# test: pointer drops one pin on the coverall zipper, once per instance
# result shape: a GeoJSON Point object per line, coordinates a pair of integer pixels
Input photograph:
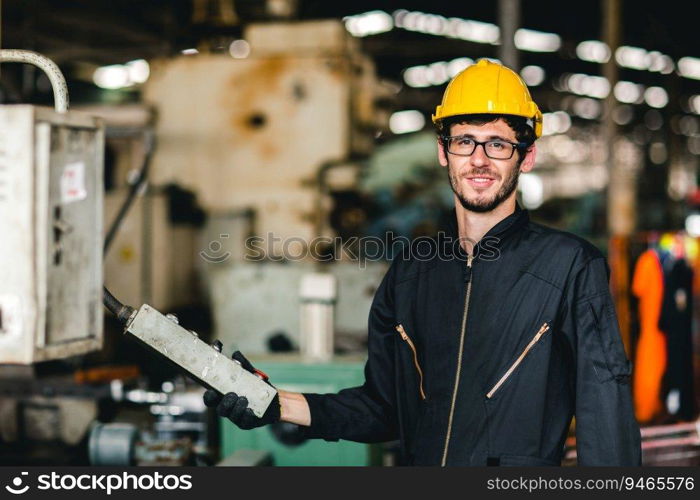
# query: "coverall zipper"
{"type": "Point", "coordinates": [459, 359]}
{"type": "Point", "coordinates": [408, 340]}
{"type": "Point", "coordinates": [543, 329]}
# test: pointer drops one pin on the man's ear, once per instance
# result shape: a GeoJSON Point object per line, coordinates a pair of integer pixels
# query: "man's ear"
{"type": "Point", "coordinates": [442, 158]}
{"type": "Point", "coordinates": [528, 162]}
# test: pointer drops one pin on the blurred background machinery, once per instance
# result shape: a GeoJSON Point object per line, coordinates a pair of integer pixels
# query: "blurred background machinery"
{"type": "Point", "coordinates": [251, 133]}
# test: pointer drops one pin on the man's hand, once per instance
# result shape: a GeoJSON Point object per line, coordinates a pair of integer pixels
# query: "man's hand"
{"type": "Point", "coordinates": [235, 407]}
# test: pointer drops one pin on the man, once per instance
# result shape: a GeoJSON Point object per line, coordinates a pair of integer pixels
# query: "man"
{"type": "Point", "coordinates": [481, 353]}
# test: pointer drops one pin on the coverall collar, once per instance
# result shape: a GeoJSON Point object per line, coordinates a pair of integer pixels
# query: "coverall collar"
{"type": "Point", "coordinates": [501, 230]}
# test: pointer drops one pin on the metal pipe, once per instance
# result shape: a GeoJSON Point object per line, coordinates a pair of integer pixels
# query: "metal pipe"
{"type": "Point", "coordinates": [58, 82]}
{"type": "Point", "coordinates": [509, 22]}
{"type": "Point", "coordinates": [621, 193]}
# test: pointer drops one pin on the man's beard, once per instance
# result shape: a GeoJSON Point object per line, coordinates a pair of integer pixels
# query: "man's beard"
{"type": "Point", "coordinates": [511, 182]}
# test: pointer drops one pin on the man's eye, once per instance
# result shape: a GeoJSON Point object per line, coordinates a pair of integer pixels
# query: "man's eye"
{"type": "Point", "coordinates": [465, 142]}
{"type": "Point", "coordinates": [497, 145]}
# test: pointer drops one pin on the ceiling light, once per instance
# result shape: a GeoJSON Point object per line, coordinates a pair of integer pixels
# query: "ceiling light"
{"type": "Point", "coordinates": [404, 122]}
{"type": "Point", "coordinates": [111, 77]}
{"type": "Point", "coordinates": [533, 75]}
{"type": "Point", "coordinates": [694, 103]}
{"type": "Point", "coordinates": [660, 63]}
{"type": "Point", "coordinates": [628, 92]}
{"type": "Point", "coordinates": [656, 97]}
{"type": "Point", "coordinates": [632, 57]}
{"type": "Point", "coordinates": [692, 225]}
{"type": "Point", "coordinates": [455, 66]}
{"type": "Point", "coordinates": [588, 85]}
{"type": "Point", "coordinates": [369, 23]}
{"type": "Point", "coordinates": [537, 41]}
{"type": "Point", "coordinates": [689, 67]}
{"type": "Point", "coordinates": [555, 123]}
{"type": "Point", "coordinates": [593, 51]}
{"type": "Point", "coordinates": [532, 189]}
{"type": "Point", "coordinates": [138, 70]}
{"type": "Point", "coordinates": [587, 108]}
{"type": "Point", "coordinates": [416, 76]}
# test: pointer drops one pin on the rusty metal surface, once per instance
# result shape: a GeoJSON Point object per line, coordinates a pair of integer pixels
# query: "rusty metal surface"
{"type": "Point", "coordinates": [252, 133]}
{"type": "Point", "coordinates": [199, 359]}
{"type": "Point", "coordinates": [234, 132]}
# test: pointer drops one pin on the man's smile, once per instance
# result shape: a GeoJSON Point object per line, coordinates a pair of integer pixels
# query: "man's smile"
{"type": "Point", "coordinates": [480, 181]}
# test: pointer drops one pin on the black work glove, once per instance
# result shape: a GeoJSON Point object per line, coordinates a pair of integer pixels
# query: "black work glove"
{"type": "Point", "coordinates": [235, 407]}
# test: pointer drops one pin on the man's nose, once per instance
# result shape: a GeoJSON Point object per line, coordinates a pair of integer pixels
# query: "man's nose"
{"type": "Point", "coordinates": [478, 157]}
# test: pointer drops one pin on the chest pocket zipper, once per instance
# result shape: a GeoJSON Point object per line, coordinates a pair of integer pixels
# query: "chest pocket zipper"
{"type": "Point", "coordinates": [543, 329]}
{"type": "Point", "coordinates": [407, 339]}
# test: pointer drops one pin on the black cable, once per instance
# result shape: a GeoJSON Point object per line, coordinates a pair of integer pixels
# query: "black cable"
{"type": "Point", "coordinates": [134, 190]}
{"type": "Point", "coordinates": [122, 311]}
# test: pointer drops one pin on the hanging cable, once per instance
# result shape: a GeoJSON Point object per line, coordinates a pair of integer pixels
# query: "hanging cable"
{"type": "Point", "coordinates": [136, 186]}
{"type": "Point", "coordinates": [122, 311]}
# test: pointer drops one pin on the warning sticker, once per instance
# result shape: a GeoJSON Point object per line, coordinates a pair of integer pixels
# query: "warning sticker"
{"type": "Point", "coordinates": [73, 183]}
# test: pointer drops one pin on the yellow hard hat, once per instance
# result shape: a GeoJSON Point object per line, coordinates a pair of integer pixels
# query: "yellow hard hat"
{"type": "Point", "coordinates": [488, 87]}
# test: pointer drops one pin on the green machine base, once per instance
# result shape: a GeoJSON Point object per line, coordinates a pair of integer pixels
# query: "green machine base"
{"type": "Point", "coordinates": [289, 373]}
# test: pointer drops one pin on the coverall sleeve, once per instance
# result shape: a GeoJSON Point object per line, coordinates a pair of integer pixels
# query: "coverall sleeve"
{"type": "Point", "coordinates": [366, 413]}
{"type": "Point", "coordinates": [607, 433]}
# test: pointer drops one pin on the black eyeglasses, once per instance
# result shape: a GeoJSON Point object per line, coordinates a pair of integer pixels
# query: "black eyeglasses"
{"type": "Point", "coordinates": [496, 149]}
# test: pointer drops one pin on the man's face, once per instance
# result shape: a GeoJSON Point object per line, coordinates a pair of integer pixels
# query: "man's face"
{"type": "Point", "coordinates": [481, 183]}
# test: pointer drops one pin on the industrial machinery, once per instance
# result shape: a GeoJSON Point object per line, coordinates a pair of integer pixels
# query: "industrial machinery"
{"type": "Point", "coordinates": [253, 133]}
{"type": "Point", "coordinates": [51, 207]}
{"type": "Point", "coordinates": [53, 164]}
{"type": "Point", "coordinates": [179, 435]}
{"type": "Point", "coordinates": [150, 246]}
{"type": "Point", "coordinates": [151, 252]}
{"type": "Point", "coordinates": [102, 416]}
{"type": "Point", "coordinates": [243, 320]}
{"type": "Point", "coordinates": [264, 141]}
{"type": "Point", "coordinates": [52, 174]}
